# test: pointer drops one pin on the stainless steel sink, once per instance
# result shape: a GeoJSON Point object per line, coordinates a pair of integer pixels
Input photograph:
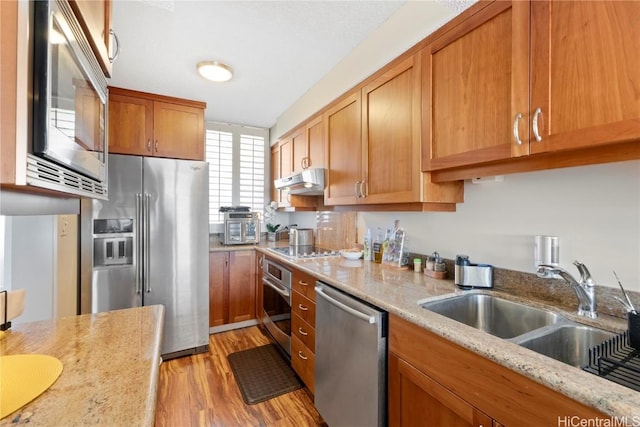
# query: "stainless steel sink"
{"type": "Point", "coordinates": [496, 316]}
{"type": "Point", "coordinates": [542, 331]}
{"type": "Point", "coordinates": [568, 343]}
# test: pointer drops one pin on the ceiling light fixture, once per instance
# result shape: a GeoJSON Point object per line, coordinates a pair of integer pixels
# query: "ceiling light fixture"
{"type": "Point", "coordinates": [215, 71]}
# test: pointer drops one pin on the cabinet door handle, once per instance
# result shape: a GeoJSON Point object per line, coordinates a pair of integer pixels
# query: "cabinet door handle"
{"type": "Point", "coordinates": [302, 307]}
{"type": "Point", "coordinates": [302, 332]}
{"type": "Point", "coordinates": [516, 132]}
{"type": "Point", "coordinates": [536, 115]}
{"type": "Point", "coordinates": [303, 283]}
{"type": "Point", "coordinates": [115, 38]}
{"type": "Point", "coordinates": [363, 189]}
{"type": "Point", "coordinates": [156, 146]}
{"type": "Point", "coordinates": [302, 356]}
{"type": "Point", "coordinates": [355, 190]}
{"type": "Point", "coordinates": [148, 145]}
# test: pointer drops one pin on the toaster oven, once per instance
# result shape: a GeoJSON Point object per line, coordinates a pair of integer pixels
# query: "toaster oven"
{"type": "Point", "coordinates": [241, 228]}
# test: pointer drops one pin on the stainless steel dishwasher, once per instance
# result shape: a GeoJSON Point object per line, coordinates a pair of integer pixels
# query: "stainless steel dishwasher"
{"type": "Point", "coordinates": [351, 360]}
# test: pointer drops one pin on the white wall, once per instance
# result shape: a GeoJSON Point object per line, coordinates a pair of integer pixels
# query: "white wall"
{"type": "Point", "coordinates": [595, 210]}
{"type": "Point", "coordinates": [410, 24]}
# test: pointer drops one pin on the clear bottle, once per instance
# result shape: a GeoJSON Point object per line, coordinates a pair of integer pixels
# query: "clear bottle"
{"type": "Point", "coordinates": [377, 247]}
{"type": "Point", "coordinates": [367, 245]}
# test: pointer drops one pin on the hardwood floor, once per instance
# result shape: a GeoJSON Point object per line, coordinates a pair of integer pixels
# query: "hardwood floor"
{"type": "Point", "coordinates": [201, 390]}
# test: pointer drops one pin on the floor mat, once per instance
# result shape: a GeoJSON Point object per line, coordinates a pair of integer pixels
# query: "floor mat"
{"type": "Point", "coordinates": [262, 373]}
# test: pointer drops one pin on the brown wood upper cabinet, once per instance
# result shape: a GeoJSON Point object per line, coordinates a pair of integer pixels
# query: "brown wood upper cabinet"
{"type": "Point", "coordinates": [299, 150]}
{"type": "Point", "coordinates": [155, 125]}
{"type": "Point", "coordinates": [307, 146]}
{"type": "Point", "coordinates": [373, 143]}
{"type": "Point", "coordinates": [95, 19]}
{"type": "Point", "coordinates": [482, 104]}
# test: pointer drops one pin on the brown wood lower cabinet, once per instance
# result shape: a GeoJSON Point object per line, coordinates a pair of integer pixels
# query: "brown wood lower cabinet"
{"type": "Point", "coordinates": [232, 287]}
{"type": "Point", "coordinates": [433, 381]}
{"type": "Point", "coordinates": [419, 400]}
{"type": "Point", "coordinates": [303, 322]}
{"type": "Point", "coordinates": [259, 293]}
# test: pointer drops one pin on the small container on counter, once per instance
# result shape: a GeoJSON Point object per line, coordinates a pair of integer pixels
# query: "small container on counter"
{"type": "Point", "coordinates": [417, 265]}
{"type": "Point", "coordinates": [435, 266]}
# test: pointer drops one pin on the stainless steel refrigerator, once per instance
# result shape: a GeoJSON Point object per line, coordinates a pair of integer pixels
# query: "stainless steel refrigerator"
{"type": "Point", "coordinates": [149, 244]}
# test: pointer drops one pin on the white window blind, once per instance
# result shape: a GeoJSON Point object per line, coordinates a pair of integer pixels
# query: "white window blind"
{"type": "Point", "coordinates": [237, 172]}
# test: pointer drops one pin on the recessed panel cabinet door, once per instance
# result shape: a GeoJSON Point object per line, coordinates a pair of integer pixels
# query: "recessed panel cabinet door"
{"type": "Point", "coordinates": [585, 60]}
{"type": "Point", "coordinates": [344, 154]}
{"type": "Point", "coordinates": [391, 134]}
{"type": "Point", "coordinates": [299, 150]}
{"type": "Point", "coordinates": [415, 399]}
{"type": "Point", "coordinates": [130, 125]}
{"type": "Point", "coordinates": [475, 82]}
{"type": "Point", "coordinates": [315, 142]}
{"type": "Point", "coordinates": [95, 19]}
{"type": "Point", "coordinates": [218, 295]}
{"type": "Point", "coordinates": [178, 131]}
{"type": "Point", "coordinates": [242, 286]}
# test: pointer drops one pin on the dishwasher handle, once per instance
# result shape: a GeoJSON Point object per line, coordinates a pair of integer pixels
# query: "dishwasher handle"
{"type": "Point", "coordinates": [360, 315]}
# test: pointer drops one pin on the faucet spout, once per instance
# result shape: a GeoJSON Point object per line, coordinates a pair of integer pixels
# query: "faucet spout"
{"type": "Point", "coordinates": [584, 289]}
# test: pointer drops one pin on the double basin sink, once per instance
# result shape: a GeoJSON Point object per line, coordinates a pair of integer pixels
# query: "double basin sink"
{"type": "Point", "coordinates": [540, 330]}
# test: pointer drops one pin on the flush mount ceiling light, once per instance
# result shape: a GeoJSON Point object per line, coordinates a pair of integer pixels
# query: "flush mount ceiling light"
{"type": "Point", "coordinates": [215, 71]}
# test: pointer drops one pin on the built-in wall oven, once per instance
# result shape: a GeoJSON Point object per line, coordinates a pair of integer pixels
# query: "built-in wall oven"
{"type": "Point", "coordinates": [276, 305]}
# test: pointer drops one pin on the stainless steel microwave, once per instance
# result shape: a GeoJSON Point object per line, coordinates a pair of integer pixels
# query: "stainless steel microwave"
{"type": "Point", "coordinates": [70, 105]}
{"type": "Point", "coordinates": [241, 228]}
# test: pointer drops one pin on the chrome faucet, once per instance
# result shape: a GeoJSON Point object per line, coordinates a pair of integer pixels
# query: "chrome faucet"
{"type": "Point", "coordinates": [585, 289]}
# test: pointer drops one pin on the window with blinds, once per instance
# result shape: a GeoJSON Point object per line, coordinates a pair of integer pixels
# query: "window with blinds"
{"type": "Point", "coordinates": [237, 172]}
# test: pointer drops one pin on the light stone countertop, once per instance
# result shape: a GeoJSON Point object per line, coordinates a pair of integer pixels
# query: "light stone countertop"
{"type": "Point", "coordinates": [398, 291]}
{"type": "Point", "coordinates": [110, 370]}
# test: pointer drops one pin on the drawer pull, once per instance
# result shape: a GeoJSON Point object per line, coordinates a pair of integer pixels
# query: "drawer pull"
{"type": "Point", "coordinates": [303, 283]}
{"type": "Point", "coordinates": [302, 356]}
{"type": "Point", "coordinates": [302, 332]}
{"type": "Point", "coordinates": [302, 307]}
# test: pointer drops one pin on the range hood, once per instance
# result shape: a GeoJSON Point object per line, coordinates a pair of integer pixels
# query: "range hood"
{"type": "Point", "coordinates": [309, 182]}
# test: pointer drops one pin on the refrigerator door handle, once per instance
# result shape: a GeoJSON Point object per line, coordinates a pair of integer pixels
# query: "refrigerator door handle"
{"type": "Point", "coordinates": [147, 241]}
{"type": "Point", "coordinates": [138, 243]}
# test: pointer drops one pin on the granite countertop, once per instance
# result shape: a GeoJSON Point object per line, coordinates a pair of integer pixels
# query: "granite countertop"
{"type": "Point", "coordinates": [398, 291]}
{"type": "Point", "coordinates": [110, 370]}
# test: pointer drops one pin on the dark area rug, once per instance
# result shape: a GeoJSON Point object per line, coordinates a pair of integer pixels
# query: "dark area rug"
{"type": "Point", "coordinates": [262, 373]}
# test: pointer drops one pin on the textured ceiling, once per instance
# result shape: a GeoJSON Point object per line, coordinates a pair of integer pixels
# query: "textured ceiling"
{"type": "Point", "coordinates": [278, 49]}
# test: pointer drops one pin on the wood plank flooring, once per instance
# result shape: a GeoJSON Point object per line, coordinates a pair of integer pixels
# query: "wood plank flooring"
{"type": "Point", "coordinates": [200, 390]}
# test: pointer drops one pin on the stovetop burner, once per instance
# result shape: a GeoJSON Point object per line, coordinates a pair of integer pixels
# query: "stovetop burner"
{"type": "Point", "coordinates": [305, 252]}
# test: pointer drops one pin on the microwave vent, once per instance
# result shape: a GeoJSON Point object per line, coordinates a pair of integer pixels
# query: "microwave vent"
{"type": "Point", "coordinates": [46, 174]}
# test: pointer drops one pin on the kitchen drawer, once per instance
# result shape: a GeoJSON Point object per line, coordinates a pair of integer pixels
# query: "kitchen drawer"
{"type": "Point", "coordinates": [304, 363]}
{"type": "Point", "coordinates": [303, 307]}
{"type": "Point", "coordinates": [305, 332]}
{"type": "Point", "coordinates": [304, 284]}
